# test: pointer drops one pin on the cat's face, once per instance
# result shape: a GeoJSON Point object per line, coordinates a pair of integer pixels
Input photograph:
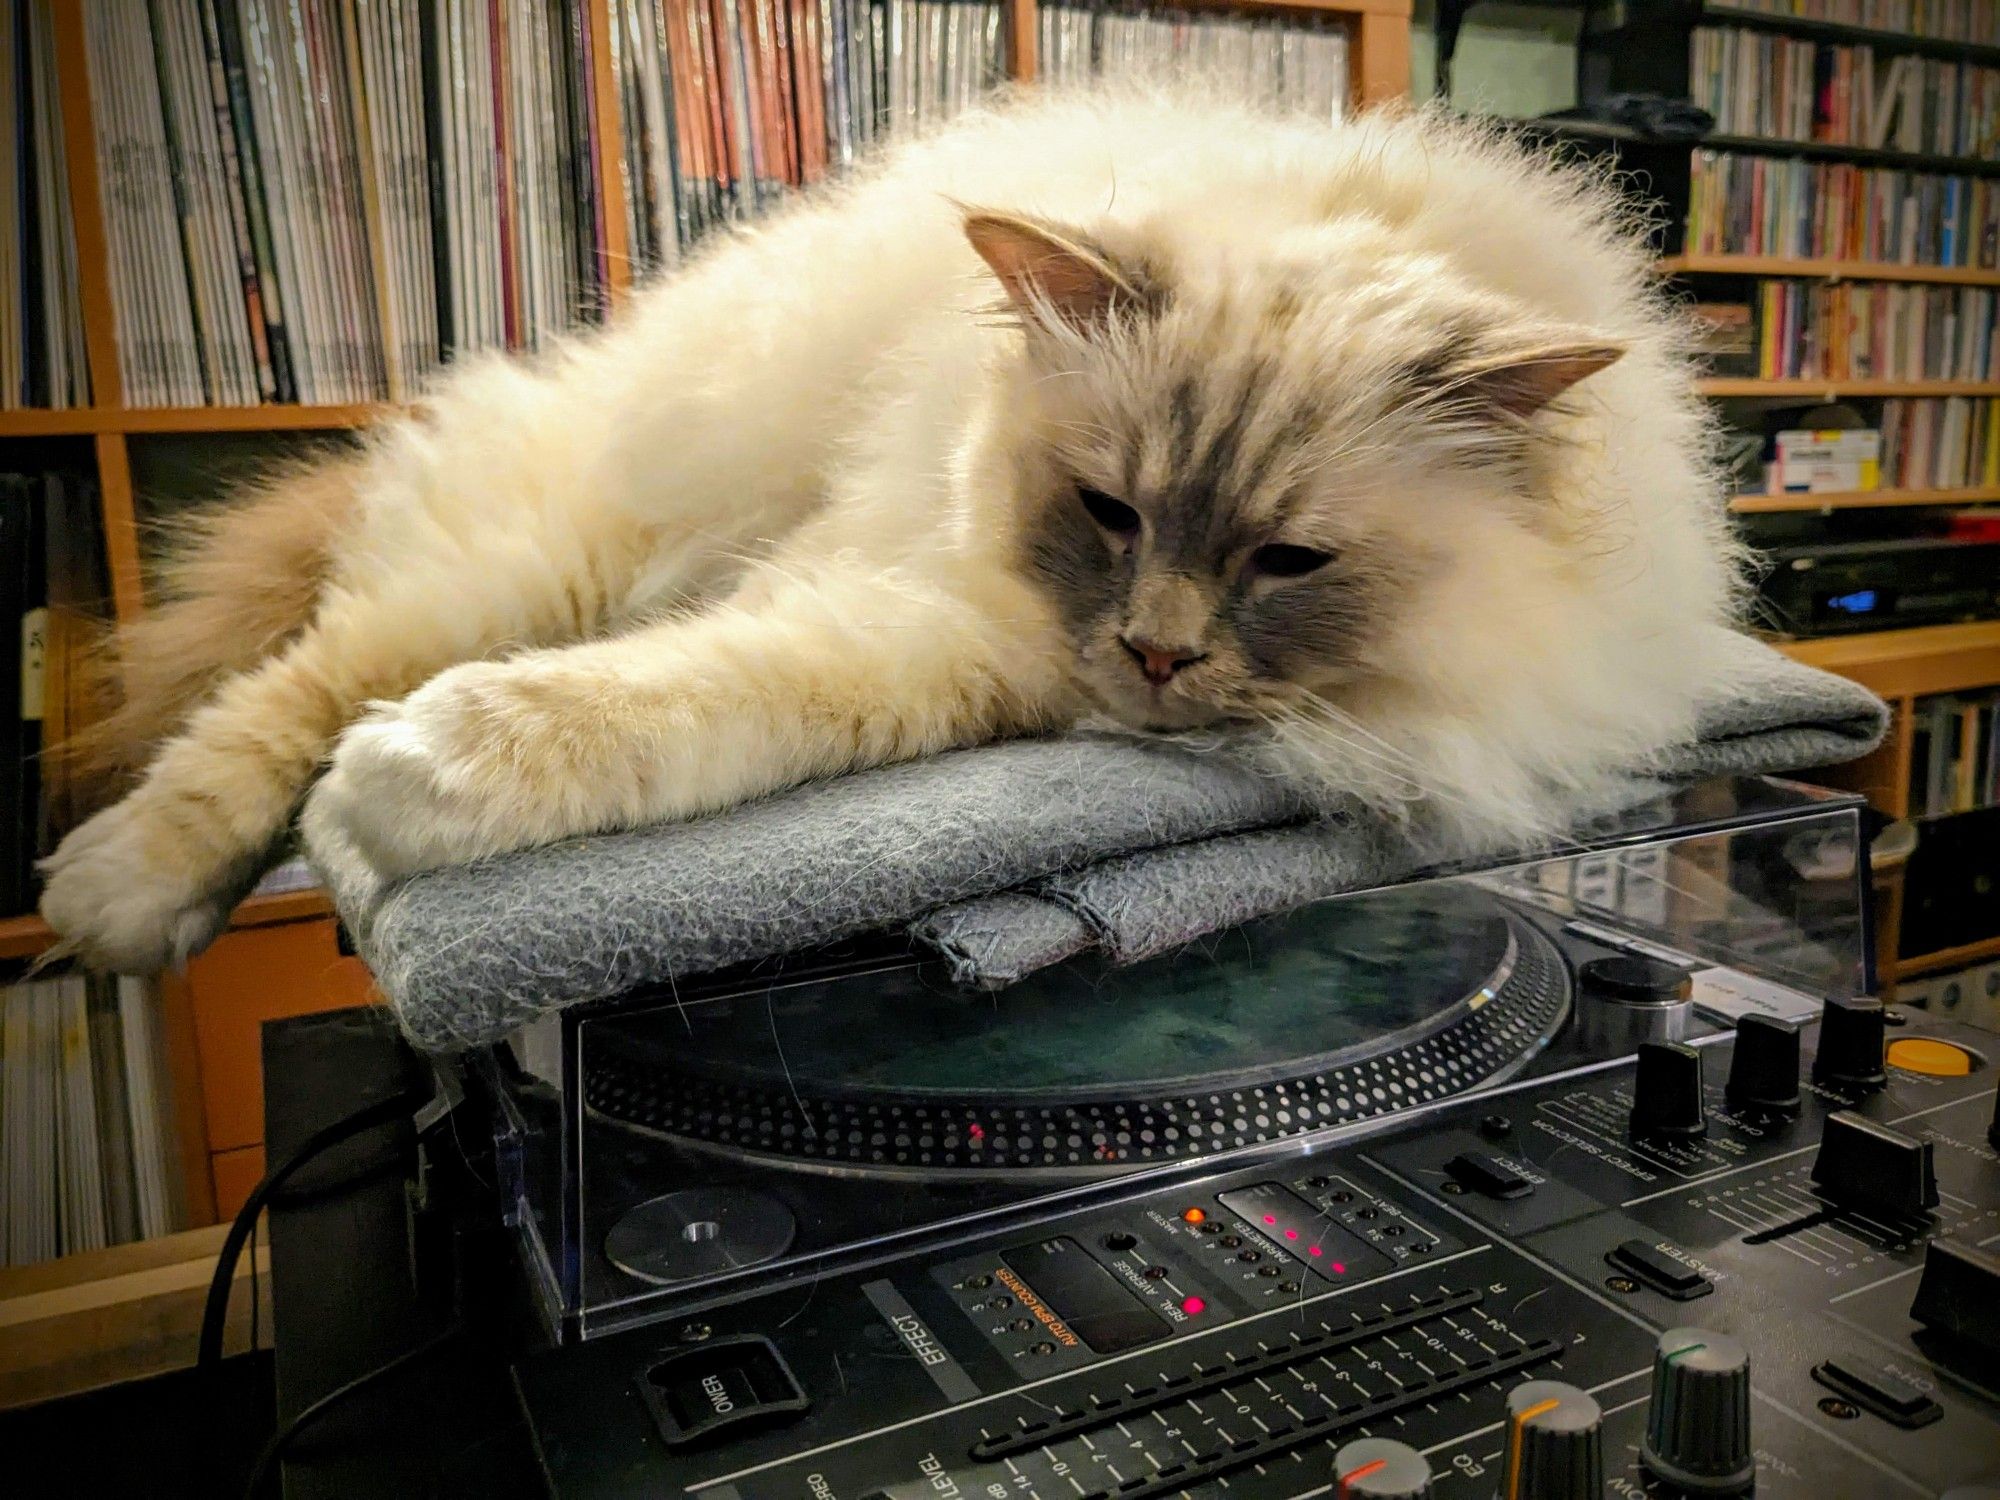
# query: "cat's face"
{"type": "Point", "coordinates": [1227, 484]}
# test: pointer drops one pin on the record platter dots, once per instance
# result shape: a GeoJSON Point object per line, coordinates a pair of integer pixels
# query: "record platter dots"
{"type": "Point", "coordinates": [1340, 1011]}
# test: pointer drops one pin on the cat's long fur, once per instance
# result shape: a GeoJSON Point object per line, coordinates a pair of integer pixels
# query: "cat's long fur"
{"type": "Point", "coordinates": [812, 505]}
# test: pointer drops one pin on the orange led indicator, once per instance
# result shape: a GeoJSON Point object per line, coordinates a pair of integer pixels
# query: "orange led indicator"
{"type": "Point", "coordinates": [1347, 1480]}
{"type": "Point", "coordinates": [1193, 1215]}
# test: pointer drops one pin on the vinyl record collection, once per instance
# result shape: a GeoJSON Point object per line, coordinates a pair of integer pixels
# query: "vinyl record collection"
{"type": "Point", "coordinates": [52, 584]}
{"type": "Point", "coordinates": [1954, 754]}
{"type": "Point", "coordinates": [1296, 62]}
{"type": "Point", "coordinates": [1875, 331]}
{"type": "Point", "coordinates": [1756, 205]}
{"type": "Point", "coordinates": [1951, 20]}
{"type": "Point", "coordinates": [322, 202]}
{"type": "Point", "coordinates": [728, 104]}
{"type": "Point", "coordinates": [41, 312]}
{"type": "Point", "coordinates": [1785, 88]}
{"type": "Point", "coordinates": [1944, 445]}
{"type": "Point", "coordinates": [86, 1149]}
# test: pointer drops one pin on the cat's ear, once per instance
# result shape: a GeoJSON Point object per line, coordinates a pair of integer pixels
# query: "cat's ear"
{"type": "Point", "coordinates": [1049, 272]}
{"type": "Point", "coordinates": [1517, 381]}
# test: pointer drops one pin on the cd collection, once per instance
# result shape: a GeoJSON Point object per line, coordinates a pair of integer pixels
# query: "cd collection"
{"type": "Point", "coordinates": [1941, 445]}
{"type": "Point", "coordinates": [1954, 754]}
{"type": "Point", "coordinates": [728, 104]}
{"type": "Point", "coordinates": [88, 1149]}
{"type": "Point", "coordinates": [1297, 62]}
{"type": "Point", "coordinates": [41, 312]}
{"type": "Point", "coordinates": [1874, 331]}
{"type": "Point", "coordinates": [53, 583]}
{"type": "Point", "coordinates": [315, 202]}
{"type": "Point", "coordinates": [1754, 205]}
{"type": "Point", "coordinates": [1784, 88]}
{"type": "Point", "coordinates": [1948, 20]}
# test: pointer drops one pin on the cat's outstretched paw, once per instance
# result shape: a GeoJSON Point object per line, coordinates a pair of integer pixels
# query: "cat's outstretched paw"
{"type": "Point", "coordinates": [440, 778]}
{"type": "Point", "coordinates": [123, 894]}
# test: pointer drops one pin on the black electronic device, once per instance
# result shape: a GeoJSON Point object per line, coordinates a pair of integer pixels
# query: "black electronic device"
{"type": "Point", "coordinates": [1837, 587]}
{"type": "Point", "coordinates": [1420, 1195]}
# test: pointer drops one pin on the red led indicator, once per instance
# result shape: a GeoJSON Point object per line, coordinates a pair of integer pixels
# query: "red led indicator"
{"type": "Point", "coordinates": [1291, 1234]}
{"type": "Point", "coordinates": [1270, 1218]}
{"type": "Point", "coordinates": [977, 1132]}
{"type": "Point", "coordinates": [1314, 1250]}
{"type": "Point", "coordinates": [1340, 1268]}
{"type": "Point", "coordinates": [1193, 1306]}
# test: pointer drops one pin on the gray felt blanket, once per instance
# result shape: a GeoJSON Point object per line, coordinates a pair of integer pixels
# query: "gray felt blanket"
{"type": "Point", "coordinates": [1002, 859]}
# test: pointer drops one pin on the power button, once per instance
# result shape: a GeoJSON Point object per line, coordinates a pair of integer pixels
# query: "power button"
{"type": "Point", "coordinates": [723, 1386]}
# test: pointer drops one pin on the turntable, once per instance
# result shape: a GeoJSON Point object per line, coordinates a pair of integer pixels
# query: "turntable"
{"type": "Point", "coordinates": [1580, 1176]}
{"type": "Point", "coordinates": [794, 1113]}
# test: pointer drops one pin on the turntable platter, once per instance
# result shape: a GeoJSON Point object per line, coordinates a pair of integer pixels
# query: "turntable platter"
{"type": "Point", "coordinates": [1333, 1012]}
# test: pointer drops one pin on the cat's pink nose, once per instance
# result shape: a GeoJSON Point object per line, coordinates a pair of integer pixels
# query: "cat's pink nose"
{"type": "Point", "coordinates": [1159, 663]}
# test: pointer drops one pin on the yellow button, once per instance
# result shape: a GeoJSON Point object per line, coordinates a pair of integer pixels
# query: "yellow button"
{"type": "Point", "coordinates": [1919, 1054]}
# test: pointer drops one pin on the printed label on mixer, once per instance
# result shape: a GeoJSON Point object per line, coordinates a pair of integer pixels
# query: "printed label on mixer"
{"type": "Point", "coordinates": [944, 1371]}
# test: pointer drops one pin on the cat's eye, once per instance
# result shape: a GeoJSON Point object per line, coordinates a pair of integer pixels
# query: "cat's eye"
{"type": "Point", "coordinates": [1115, 516]}
{"type": "Point", "coordinates": [1283, 560]}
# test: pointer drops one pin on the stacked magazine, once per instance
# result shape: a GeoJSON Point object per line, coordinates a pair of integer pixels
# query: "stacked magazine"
{"type": "Point", "coordinates": [41, 313]}
{"type": "Point", "coordinates": [729, 104]}
{"type": "Point", "coordinates": [88, 1146]}
{"type": "Point", "coordinates": [1293, 61]}
{"type": "Point", "coordinates": [325, 200]}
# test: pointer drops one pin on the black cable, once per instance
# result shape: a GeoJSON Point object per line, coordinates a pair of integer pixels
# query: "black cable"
{"type": "Point", "coordinates": [215, 1312]}
{"type": "Point", "coordinates": [286, 1435]}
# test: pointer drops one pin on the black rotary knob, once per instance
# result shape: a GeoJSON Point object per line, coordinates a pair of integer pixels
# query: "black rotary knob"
{"type": "Point", "coordinates": [1636, 979]}
{"type": "Point", "coordinates": [1666, 1091]}
{"type": "Point", "coordinates": [1380, 1469]}
{"type": "Point", "coordinates": [1555, 1444]}
{"type": "Point", "coordinates": [1850, 1044]}
{"type": "Point", "coordinates": [1993, 1130]}
{"type": "Point", "coordinates": [1869, 1166]}
{"type": "Point", "coordinates": [1764, 1068]}
{"type": "Point", "coordinates": [1698, 1423]}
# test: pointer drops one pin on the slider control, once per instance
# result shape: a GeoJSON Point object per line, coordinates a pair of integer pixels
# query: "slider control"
{"type": "Point", "coordinates": [1865, 1165]}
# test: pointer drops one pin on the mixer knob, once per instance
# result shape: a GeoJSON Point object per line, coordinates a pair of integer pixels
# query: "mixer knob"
{"type": "Point", "coordinates": [1850, 1044]}
{"type": "Point", "coordinates": [1864, 1165]}
{"type": "Point", "coordinates": [1555, 1444]}
{"type": "Point", "coordinates": [1993, 1130]}
{"type": "Point", "coordinates": [1380, 1469]}
{"type": "Point", "coordinates": [1764, 1070]}
{"type": "Point", "coordinates": [1698, 1423]}
{"type": "Point", "coordinates": [1666, 1091]}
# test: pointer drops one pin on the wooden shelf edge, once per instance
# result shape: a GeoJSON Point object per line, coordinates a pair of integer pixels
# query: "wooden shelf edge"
{"type": "Point", "coordinates": [1947, 958]}
{"type": "Point", "coordinates": [87, 421]}
{"type": "Point", "coordinates": [1826, 270]}
{"type": "Point", "coordinates": [1864, 499]}
{"type": "Point", "coordinates": [27, 936]}
{"type": "Point", "coordinates": [1909, 663]}
{"type": "Point", "coordinates": [1729, 385]}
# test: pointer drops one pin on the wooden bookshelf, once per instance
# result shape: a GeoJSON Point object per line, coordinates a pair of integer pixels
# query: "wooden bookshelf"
{"type": "Point", "coordinates": [280, 956]}
{"type": "Point", "coordinates": [1827, 270]}
{"type": "Point", "coordinates": [1834, 390]}
{"type": "Point", "coordinates": [1909, 663]}
{"type": "Point", "coordinates": [29, 936]}
{"type": "Point", "coordinates": [1862, 500]}
{"type": "Point", "coordinates": [89, 421]}
{"type": "Point", "coordinates": [1836, 33]}
{"type": "Point", "coordinates": [1945, 959]}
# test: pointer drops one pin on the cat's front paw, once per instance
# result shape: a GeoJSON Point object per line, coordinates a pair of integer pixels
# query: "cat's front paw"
{"type": "Point", "coordinates": [125, 894]}
{"type": "Point", "coordinates": [441, 778]}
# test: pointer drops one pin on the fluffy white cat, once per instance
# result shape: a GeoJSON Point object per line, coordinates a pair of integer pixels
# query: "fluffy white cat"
{"type": "Point", "coordinates": [1372, 442]}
